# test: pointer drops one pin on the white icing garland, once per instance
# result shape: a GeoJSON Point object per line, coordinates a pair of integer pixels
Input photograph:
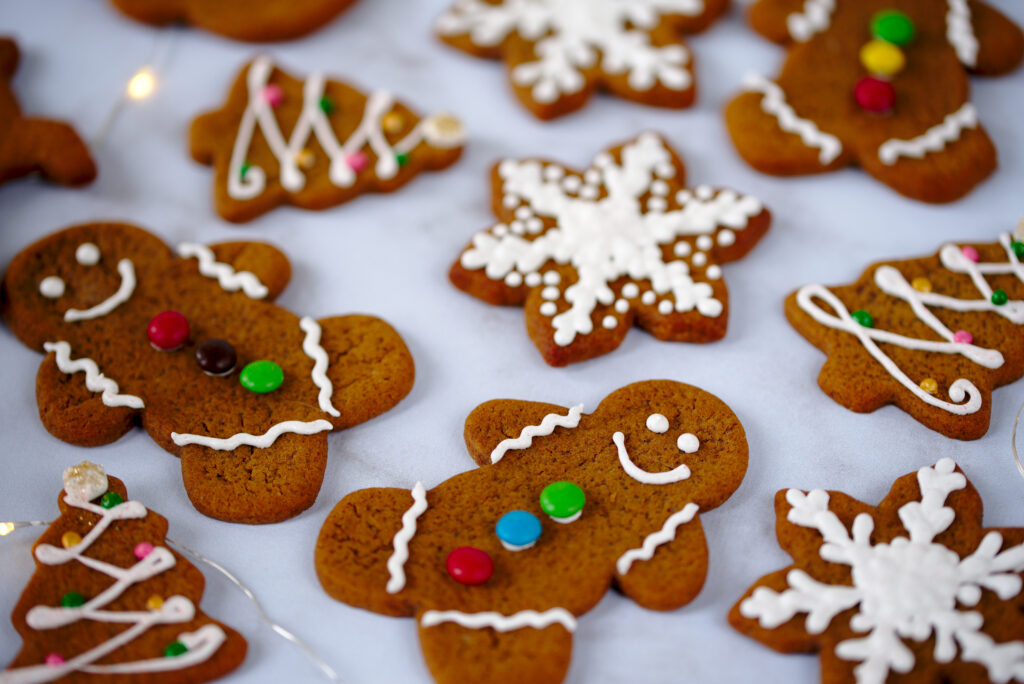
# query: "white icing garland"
{"type": "Point", "coordinates": [229, 279]}
{"type": "Point", "coordinates": [960, 32]}
{"type": "Point", "coordinates": [95, 381]}
{"type": "Point", "coordinates": [502, 623]}
{"type": "Point", "coordinates": [774, 103]}
{"type": "Point", "coordinates": [677, 474]}
{"type": "Point", "coordinates": [814, 18]}
{"type": "Point", "coordinates": [311, 347]}
{"type": "Point", "coordinates": [965, 396]}
{"type": "Point", "coordinates": [652, 541]}
{"type": "Point", "coordinates": [396, 563]}
{"type": "Point", "coordinates": [124, 291]}
{"type": "Point", "coordinates": [313, 121]}
{"type": "Point", "coordinates": [935, 139]}
{"type": "Point", "coordinates": [907, 588]}
{"type": "Point", "coordinates": [259, 441]}
{"type": "Point", "coordinates": [546, 427]}
{"type": "Point", "coordinates": [619, 235]}
{"type": "Point", "coordinates": [573, 36]}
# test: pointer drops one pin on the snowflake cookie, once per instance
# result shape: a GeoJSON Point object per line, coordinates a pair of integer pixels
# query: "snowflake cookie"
{"type": "Point", "coordinates": [911, 590]}
{"type": "Point", "coordinates": [189, 344]}
{"type": "Point", "coordinates": [559, 51]}
{"type": "Point", "coordinates": [933, 335]}
{"type": "Point", "coordinates": [314, 143]}
{"type": "Point", "coordinates": [623, 243]}
{"type": "Point", "coordinates": [109, 602]}
{"type": "Point", "coordinates": [497, 564]}
{"type": "Point", "coordinates": [878, 83]}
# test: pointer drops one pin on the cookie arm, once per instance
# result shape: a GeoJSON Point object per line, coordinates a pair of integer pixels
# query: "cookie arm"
{"type": "Point", "coordinates": [50, 147]}
{"type": "Point", "coordinates": [1000, 41]}
{"type": "Point", "coordinates": [673, 575]}
{"type": "Point", "coordinates": [770, 18]}
{"type": "Point", "coordinates": [270, 266]}
{"type": "Point", "coordinates": [493, 422]}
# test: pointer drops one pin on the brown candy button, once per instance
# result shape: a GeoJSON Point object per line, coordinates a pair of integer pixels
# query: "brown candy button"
{"type": "Point", "coordinates": [216, 357]}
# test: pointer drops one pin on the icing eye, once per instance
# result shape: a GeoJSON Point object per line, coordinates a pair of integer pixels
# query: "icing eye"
{"type": "Point", "coordinates": [688, 443]}
{"type": "Point", "coordinates": [87, 254]}
{"type": "Point", "coordinates": [657, 423]}
{"type": "Point", "coordinates": [51, 287]}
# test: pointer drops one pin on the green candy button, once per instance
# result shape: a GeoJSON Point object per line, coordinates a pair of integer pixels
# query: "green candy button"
{"type": "Point", "coordinates": [261, 377]}
{"type": "Point", "coordinates": [892, 26]}
{"type": "Point", "coordinates": [1018, 248]}
{"type": "Point", "coordinates": [72, 599]}
{"type": "Point", "coordinates": [999, 297]}
{"type": "Point", "coordinates": [563, 501]}
{"type": "Point", "coordinates": [175, 649]}
{"type": "Point", "coordinates": [111, 499]}
{"type": "Point", "coordinates": [864, 318]}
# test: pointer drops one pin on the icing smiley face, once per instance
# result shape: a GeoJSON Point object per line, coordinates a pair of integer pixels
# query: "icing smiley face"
{"type": "Point", "coordinates": [88, 254]}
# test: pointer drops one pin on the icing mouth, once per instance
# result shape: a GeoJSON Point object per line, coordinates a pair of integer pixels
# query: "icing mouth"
{"type": "Point", "coordinates": [677, 474]}
{"type": "Point", "coordinates": [124, 292]}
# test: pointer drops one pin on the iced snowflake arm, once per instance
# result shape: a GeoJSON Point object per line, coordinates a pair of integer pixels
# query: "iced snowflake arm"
{"type": "Point", "coordinates": [929, 517]}
{"type": "Point", "coordinates": [486, 25]}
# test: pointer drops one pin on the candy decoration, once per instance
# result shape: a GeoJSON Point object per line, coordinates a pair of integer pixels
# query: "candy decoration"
{"type": "Point", "coordinates": [216, 357]}
{"type": "Point", "coordinates": [72, 599]}
{"type": "Point", "coordinates": [142, 549]}
{"type": "Point", "coordinates": [175, 649]}
{"type": "Point", "coordinates": [518, 530]}
{"type": "Point", "coordinates": [326, 104]}
{"type": "Point", "coordinates": [882, 58]}
{"type": "Point", "coordinates": [562, 501]}
{"type": "Point", "coordinates": [469, 565]}
{"type": "Point", "coordinates": [261, 377]}
{"type": "Point", "coordinates": [874, 95]}
{"type": "Point", "coordinates": [244, 169]}
{"type": "Point", "coordinates": [111, 499]}
{"type": "Point", "coordinates": [970, 252]}
{"type": "Point", "coordinates": [864, 318]}
{"type": "Point", "coordinates": [999, 297]}
{"type": "Point", "coordinates": [921, 284]}
{"type": "Point", "coordinates": [154, 602]}
{"type": "Point", "coordinates": [357, 161]}
{"type": "Point", "coordinates": [272, 94]}
{"type": "Point", "coordinates": [69, 539]}
{"type": "Point", "coordinates": [305, 159]}
{"type": "Point", "coordinates": [930, 385]}
{"type": "Point", "coordinates": [1018, 248]}
{"type": "Point", "coordinates": [963, 337]}
{"type": "Point", "coordinates": [54, 660]}
{"type": "Point", "coordinates": [167, 331]}
{"type": "Point", "coordinates": [402, 158]}
{"type": "Point", "coordinates": [392, 122]}
{"type": "Point", "coordinates": [893, 27]}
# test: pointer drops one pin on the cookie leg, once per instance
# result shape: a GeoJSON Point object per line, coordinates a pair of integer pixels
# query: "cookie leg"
{"type": "Point", "coordinates": [49, 147]}
{"type": "Point", "coordinates": [73, 413]}
{"type": "Point", "coordinates": [673, 576]}
{"type": "Point", "coordinates": [369, 367]}
{"type": "Point", "coordinates": [457, 654]}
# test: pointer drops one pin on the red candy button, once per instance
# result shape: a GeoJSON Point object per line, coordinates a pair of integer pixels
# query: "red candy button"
{"type": "Point", "coordinates": [168, 330]}
{"type": "Point", "coordinates": [875, 95]}
{"type": "Point", "coordinates": [468, 565]}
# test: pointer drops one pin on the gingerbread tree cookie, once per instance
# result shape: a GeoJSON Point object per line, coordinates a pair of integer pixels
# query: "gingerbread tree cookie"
{"type": "Point", "coordinates": [559, 51]}
{"type": "Point", "coordinates": [30, 145]}
{"type": "Point", "coordinates": [190, 345]}
{"type": "Point", "coordinates": [109, 602]}
{"type": "Point", "coordinates": [592, 253]}
{"type": "Point", "coordinates": [497, 564]}
{"type": "Point", "coordinates": [933, 335]}
{"type": "Point", "coordinates": [878, 83]}
{"type": "Point", "coordinates": [912, 590]}
{"type": "Point", "coordinates": [313, 144]}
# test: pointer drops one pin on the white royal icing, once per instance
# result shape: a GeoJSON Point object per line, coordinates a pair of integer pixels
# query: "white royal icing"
{"type": "Point", "coordinates": [95, 381]}
{"type": "Point", "coordinates": [263, 441]}
{"type": "Point", "coordinates": [908, 588]}
{"type": "Point", "coordinates": [546, 427]}
{"type": "Point", "coordinates": [966, 398]}
{"type": "Point", "coordinates": [87, 254]}
{"type": "Point", "coordinates": [396, 563]}
{"type": "Point", "coordinates": [688, 443]}
{"type": "Point", "coordinates": [652, 541]}
{"type": "Point", "coordinates": [229, 279]}
{"type": "Point", "coordinates": [677, 474]}
{"type": "Point", "coordinates": [774, 103]}
{"type": "Point", "coordinates": [935, 139]}
{"type": "Point", "coordinates": [960, 32]}
{"type": "Point", "coordinates": [85, 481]}
{"type": "Point", "coordinates": [311, 347]}
{"type": "Point", "coordinates": [608, 238]}
{"type": "Point", "coordinates": [573, 37]}
{"type": "Point", "coordinates": [312, 121]}
{"type": "Point", "coordinates": [201, 644]}
{"type": "Point", "coordinates": [124, 291]}
{"type": "Point", "coordinates": [815, 17]}
{"type": "Point", "coordinates": [51, 287]}
{"type": "Point", "coordinates": [656, 422]}
{"type": "Point", "coordinates": [499, 622]}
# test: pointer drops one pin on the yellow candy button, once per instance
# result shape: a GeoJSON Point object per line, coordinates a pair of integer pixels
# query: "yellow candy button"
{"type": "Point", "coordinates": [69, 539]}
{"type": "Point", "coordinates": [921, 284]}
{"type": "Point", "coordinates": [392, 122]}
{"type": "Point", "coordinates": [154, 602]}
{"type": "Point", "coordinates": [929, 385]}
{"type": "Point", "coordinates": [882, 58]}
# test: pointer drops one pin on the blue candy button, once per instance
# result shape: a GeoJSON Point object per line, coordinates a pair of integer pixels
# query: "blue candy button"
{"type": "Point", "coordinates": [518, 530]}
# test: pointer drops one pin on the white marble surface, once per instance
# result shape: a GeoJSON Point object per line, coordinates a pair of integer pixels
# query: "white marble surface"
{"type": "Point", "coordinates": [78, 56]}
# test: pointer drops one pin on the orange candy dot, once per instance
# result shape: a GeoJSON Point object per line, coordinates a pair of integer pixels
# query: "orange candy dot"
{"type": "Point", "coordinates": [921, 284]}
{"type": "Point", "coordinates": [392, 122]}
{"type": "Point", "coordinates": [154, 602]}
{"type": "Point", "coordinates": [69, 539]}
{"type": "Point", "coordinates": [305, 159]}
{"type": "Point", "coordinates": [929, 385]}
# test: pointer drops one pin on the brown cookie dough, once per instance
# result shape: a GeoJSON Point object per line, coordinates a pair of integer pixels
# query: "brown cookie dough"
{"type": "Point", "coordinates": [496, 564]}
{"type": "Point", "coordinates": [90, 296]}
{"type": "Point", "coordinates": [314, 144]}
{"type": "Point", "coordinates": [933, 335]}
{"type": "Point", "coordinates": [110, 602]}
{"type": "Point", "coordinates": [877, 83]}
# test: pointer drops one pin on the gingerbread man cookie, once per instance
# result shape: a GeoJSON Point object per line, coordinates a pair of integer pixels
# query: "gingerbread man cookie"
{"type": "Point", "coordinates": [591, 254]}
{"type": "Point", "coordinates": [30, 145]}
{"type": "Point", "coordinates": [911, 590]}
{"type": "Point", "coordinates": [249, 20]}
{"type": "Point", "coordinates": [558, 52]}
{"type": "Point", "coordinates": [190, 345]}
{"type": "Point", "coordinates": [933, 335]}
{"type": "Point", "coordinates": [109, 602]}
{"type": "Point", "coordinates": [313, 144]}
{"type": "Point", "coordinates": [878, 83]}
{"type": "Point", "coordinates": [497, 564]}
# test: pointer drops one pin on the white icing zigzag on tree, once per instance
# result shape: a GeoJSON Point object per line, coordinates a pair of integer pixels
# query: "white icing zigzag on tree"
{"type": "Point", "coordinates": [908, 588]}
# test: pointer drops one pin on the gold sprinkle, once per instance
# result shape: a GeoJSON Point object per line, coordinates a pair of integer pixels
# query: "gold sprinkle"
{"type": "Point", "coordinates": [393, 122]}
{"type": "Point", "coordinates": [154, 602]}
{"type": "Point", "coordinates": [69, 539]}
{"type": "Point", "coordinates": [921, 284]}
{"type": "Point", "coordinates": [305, 159]}
{"type": "Point", "coordinates": [929, 385]}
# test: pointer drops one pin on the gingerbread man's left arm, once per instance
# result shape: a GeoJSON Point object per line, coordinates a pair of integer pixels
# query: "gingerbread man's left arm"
{"type": "Point", "coordinates": [1000, 41]}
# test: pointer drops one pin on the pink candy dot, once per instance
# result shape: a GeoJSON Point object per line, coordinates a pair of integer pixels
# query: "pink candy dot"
{"type": "Point", "coordinates": [272, 94]}
{"type": "Point", "coordinates": [970, 253]}
{"type": "Point", "coordinates": [143, 549]}
{"type": "Point", "coordinates": [963, 337]}
{"type": "Point", "coordinates": [54, 660]}
{"type": "Point", "coordinates": [357, 161]}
